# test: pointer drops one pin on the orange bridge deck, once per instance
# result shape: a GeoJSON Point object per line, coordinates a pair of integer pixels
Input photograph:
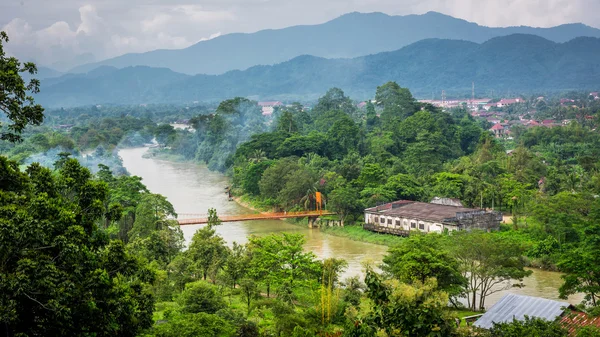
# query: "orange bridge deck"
{"type": "Point", "coordinates": [260, 216]}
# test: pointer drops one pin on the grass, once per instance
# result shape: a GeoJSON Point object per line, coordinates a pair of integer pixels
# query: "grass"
{"type": "Point", "coordinates": [461, 314]}
{"type": "Point", "coordinates": [357, 233]}
{"type": "Point", "coordinates": [165, 155]}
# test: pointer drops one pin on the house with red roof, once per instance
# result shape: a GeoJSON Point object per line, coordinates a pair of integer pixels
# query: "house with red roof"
{"type": "Point", "coordinates": [576, 320]}
{"type": "Point", "coordinates": [498, 130]}
{"type": "Point", "coordinates": [269, 107]}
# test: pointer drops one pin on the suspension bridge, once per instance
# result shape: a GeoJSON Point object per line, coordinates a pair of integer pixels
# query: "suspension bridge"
{"type": "Point", "coordinates": [198, 219]}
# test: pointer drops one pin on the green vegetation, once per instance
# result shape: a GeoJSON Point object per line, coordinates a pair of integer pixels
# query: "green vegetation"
{"type": "Point", "coordinates": [357, 233]}
{"type": "Point", "coordinates": [97, 254]}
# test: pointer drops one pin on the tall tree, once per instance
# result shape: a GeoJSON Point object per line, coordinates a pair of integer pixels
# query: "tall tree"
{"type": "Point", "coordinates": [581, 266]}
{"type": "Point", "coordinates": [489, 262]}
{"type": "Point", "coordinates": [15, 101]}
{"type": "Point", "coordinates": [423, 257]}
{"type": "Point", "coordinates": [397, 103]}
{"type": "Point", "coordinates": [403, 310]}
{"type": "Point", "coordinates": [207, 249]}
{"type": "Point", "coordinates": [60, 275]}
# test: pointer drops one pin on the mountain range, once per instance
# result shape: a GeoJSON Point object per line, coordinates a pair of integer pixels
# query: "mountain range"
{"type": "Point", "coordinates": [351, 35]}
{"type": "Point", "coordinates": [517, 63]}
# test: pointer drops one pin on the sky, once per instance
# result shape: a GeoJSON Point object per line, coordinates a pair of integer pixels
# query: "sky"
{"type": "Point", "coordinates": [64, 33]}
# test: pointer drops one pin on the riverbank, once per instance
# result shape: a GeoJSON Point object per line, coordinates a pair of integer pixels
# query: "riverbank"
{"type": "Point", "coordinates": [161, 154]}
{"type": "Point", "coordinates": [357, 233]}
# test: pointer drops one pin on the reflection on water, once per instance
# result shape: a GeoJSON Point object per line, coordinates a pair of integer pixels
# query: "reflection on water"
{"type": "Point", "coordinates": [194, 189]}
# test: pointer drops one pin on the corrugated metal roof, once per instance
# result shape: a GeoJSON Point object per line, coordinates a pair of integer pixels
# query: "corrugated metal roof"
{"type": "Point", "coordinates": [512, 307]}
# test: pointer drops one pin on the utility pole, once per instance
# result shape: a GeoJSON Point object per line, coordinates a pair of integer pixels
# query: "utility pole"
{"type": "Point", "coordinates": [443, 97]}
{"type": "Point", "coordinates": [473, 97]}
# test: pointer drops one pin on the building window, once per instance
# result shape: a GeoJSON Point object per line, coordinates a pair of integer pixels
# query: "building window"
{"type": "Point", "coordinates": [382, 220]}
{"type": "Point", "coordinates": [376, 219]}
{"type": "Point", "coordinates": [398, 223]}
{"type": "Point", "coordinates": [421, 226]}
{"type": "Point", "coordinates": [413, 225]}
{"type": "Point", "coordinates": [389, 221]}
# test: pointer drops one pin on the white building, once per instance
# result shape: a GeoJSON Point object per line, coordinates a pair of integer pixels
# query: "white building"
{"type": "Point", "coordinates": [404, 215]}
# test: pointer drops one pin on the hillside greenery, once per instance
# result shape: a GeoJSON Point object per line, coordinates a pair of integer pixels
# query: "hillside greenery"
{"type": "Point", "coordinates": [515, 63]}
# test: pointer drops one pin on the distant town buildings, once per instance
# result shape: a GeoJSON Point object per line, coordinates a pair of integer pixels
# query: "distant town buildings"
{"type": "Point", "coordinates": [498, 130]}
{"type": "Point", "coordinates": [269, 107]}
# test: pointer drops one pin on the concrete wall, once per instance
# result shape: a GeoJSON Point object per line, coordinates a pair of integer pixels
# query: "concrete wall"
{"type": "Point", "coordinates": [407, 224]}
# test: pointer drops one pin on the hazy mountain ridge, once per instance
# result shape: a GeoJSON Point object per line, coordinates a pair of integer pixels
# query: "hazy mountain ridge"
{"type": "Point", "coordinates": [517, 63]}
{"type": "Point", "coordinates": [351, 35]}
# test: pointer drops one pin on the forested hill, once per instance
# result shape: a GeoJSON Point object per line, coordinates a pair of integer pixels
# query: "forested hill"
{"type": "Point", "coordinates": [351, 35]}
{"type": "Point", "coordinates": [517, 63]}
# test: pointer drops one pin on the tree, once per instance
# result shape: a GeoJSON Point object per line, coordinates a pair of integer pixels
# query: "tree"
{"type": "Point", "coordinates": [15, 102]}
{"type": "Point", "coordinates": [345, 136]}
{"type": "Point", "coordinates": [334, 99]}
{"type": "Point", "coordinates": [263, 261]}
{"type": "Point", "coordinates": [489, 263]}
{"type": "Point", "coordinates": [423, 257]}
{"type": "Point", "coordinates": [61, 275]}
{"type": "Point", "coordinates": [353, 290]}
{"type": "Point", "coordinates": [397, 103]}
{"type": "Point", "coordinates": [280, 259]}
{"type": "Point", "coordinates": [581, 266]}
{"type": "Point", "coordinates": [236, 264]}
{"type": "Point", "coordinates": [273, 181]}
{"type": "Point", "coordinates": [200, 297]}
{"type": "Point", "coordinates": [286, 122]}
{"type": "Point", "coordinates": [249, 292]}
{"type": "Point", "coordinates": [344, 201]}
{"type": "Point", "coordinates": [372, 119]}
{"type": "Point", "coordinates": [403, 310]}
{"type": "Point", "coordinates": [295, 263]}
{"type": "Point", "coordinates": [253, 175]}
{"type": "Point", "coordinates": [164, 133]}
{"type": "Point", "coordinates": [151, 214]}
{"type": "Point", "coordinates": [207, 249]}
{"type": "Point", "coordinates": [297, 185]}
{"type": "Point", "coordinates": [405, 186]}
{"type": "Point", "coordinates": [371, 175]}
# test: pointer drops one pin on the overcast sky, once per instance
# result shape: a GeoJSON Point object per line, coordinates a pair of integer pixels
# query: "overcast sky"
{"type": "Point", "coordinates": [61, 32]}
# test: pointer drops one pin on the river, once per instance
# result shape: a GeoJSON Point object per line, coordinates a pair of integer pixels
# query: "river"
{"type": "Point", "coordinates": [194, 189]}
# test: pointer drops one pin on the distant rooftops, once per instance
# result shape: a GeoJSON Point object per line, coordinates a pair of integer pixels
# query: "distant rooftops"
{"type": "Point", "coordinates": [270, 104]}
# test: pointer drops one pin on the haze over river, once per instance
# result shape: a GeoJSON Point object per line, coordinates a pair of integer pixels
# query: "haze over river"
{"type": "Point", "coordinates": [192, 188]}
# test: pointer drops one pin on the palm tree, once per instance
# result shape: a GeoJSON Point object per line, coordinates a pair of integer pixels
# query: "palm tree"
{"type": "Point", "coordinates": [257, 156]}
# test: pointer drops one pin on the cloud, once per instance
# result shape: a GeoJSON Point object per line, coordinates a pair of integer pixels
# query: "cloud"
{"type": "Point", "coordinates": [63, 45]}
{"type": "Point", "coordinates": [69, 32]}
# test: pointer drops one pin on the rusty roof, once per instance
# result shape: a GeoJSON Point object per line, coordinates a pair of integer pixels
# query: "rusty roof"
{"type": "Point", "coordinates": [575, 320]}
{"type": "Point", "coordinates": [420, 210]}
